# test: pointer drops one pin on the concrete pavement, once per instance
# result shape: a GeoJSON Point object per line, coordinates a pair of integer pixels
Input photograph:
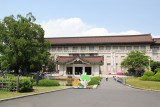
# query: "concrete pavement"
{"type": "Point", "coordinates": [108, 94]}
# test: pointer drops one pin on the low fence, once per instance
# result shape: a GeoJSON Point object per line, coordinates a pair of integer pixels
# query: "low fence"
{"type": "Point", "coordinates": [11, 83]}
{"type": "Point", "coordinates": [122, 80]}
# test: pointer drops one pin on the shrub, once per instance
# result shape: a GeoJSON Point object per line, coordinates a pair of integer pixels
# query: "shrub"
{"type": "Point", "coordinates": [47, 82]}
{"type": "Point", "coordinates": [98, 78]}
{"type": "Point", "coordinates": [149, 73]}
{"type": "Point", "coordinates": [146, 78]}
{"type": "Point", "coordinates": [69, 84]}
{"type": "Point", "coordinates": [11, 76]}
{"type": "Point", "coordinates": [157, 70]}
{"type": "Point", "coordinates": [12, 86]}
{"type": "Point", "coordinates": [25, 85]}
{"type": "Point", "coordinates": [94, 81]}
{"type": "Point", "coordinates": [157, 76]}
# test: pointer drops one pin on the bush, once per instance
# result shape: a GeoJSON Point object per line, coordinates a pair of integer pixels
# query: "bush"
{"type": "Point", "coordinates": [12, 86]}
{"type": "Point", "coordinates": [146, 78]}
{"type": "Point", "coordinates": [157, 76]}
{"type": "Point", "coordinates": [11, 76]}
{"type": "Point", "coordinates": [157, 70]}
{"type": "Point", "coordinates": [95, 80]}
{"type": "Point", "coordinates": [25, 85]}
{"type": "Point", "coordinates": [149, 73]}
{"type": "Point", "coordinates": [47, 82]}
{"type": "Point", "coordinates": [69, 84]}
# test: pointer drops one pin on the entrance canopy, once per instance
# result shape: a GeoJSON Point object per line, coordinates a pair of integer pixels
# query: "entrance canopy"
{"type": "Point", "coordinates": [79, 59]}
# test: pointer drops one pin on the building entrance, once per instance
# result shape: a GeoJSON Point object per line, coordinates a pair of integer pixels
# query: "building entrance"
{"type": "Point", "coordinates": [78, 70]}
{"type": "Point", "coordinates": [69, 71]}
{"type": "Point", "coordinates": [88, 70]}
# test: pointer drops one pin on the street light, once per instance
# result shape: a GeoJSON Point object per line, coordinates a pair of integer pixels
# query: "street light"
{"type": "Point", "coordinates": [149, 64]}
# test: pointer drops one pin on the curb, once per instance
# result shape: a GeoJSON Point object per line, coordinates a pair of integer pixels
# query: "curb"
{"type": "Point", "coordinates": [6, 99]}
{"type": "Point", "coordinates": [142, 88]}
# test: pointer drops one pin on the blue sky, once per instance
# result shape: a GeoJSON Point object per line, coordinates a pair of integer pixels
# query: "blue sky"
{"type": "Point", "coordinates": [89, 17]}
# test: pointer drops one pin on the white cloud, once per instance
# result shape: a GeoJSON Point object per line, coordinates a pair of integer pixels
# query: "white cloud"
{"type": "Point", "coordinates": [76, 27]}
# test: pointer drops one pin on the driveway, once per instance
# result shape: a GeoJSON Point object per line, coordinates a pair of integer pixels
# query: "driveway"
{"type": "Point", "coordinates": [108, 94]}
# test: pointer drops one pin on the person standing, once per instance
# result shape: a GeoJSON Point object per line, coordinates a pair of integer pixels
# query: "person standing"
{"type": "Point", "coordinates": [106, 77]}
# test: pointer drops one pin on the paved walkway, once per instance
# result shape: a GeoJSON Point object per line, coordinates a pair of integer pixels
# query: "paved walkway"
{"type": "Point", "coordinates": [108, 94]}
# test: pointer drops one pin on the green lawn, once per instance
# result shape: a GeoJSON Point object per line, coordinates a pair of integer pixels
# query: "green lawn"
{"type": "Point", "coordinates": [136, 82]}
{"type": "Point", "coordinates": [6, 94]}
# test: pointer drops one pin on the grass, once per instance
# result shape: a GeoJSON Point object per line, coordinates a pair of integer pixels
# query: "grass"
{"type": "Point", "coordinates": [136, 82]}
{"type": "Point", "coordinates": [7, 94]}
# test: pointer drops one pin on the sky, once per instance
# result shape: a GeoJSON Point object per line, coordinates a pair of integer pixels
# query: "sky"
{"type": "Point", "coordinates": [65, 18]}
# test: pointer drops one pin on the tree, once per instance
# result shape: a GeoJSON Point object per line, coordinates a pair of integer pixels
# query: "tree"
{"type": "Point", "coordinates": [155, 65]}
{"type": "Point", "coordinates": [22, 44]}
{"type": "Point", "coordinates": [50, 66]}
{"type": "Point", "coordinates": [136, 61]}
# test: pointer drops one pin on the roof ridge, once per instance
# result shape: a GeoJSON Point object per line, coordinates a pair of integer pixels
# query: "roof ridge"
{"type": "Point", "coordinates": [101, 36]}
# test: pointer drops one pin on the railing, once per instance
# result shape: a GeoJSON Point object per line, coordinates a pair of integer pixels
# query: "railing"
{"type": "Point", "coordinates": [10, 83]}
{"type": "Point", "coordinates": [101, 51]}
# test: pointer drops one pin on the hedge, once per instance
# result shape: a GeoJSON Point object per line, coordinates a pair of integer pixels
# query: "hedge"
{"type": "Point", "coordinates": [95, 80]}
{"type": "Point", "coordinates": [47, 82]}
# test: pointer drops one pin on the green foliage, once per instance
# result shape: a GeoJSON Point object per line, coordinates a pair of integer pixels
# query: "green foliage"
{"type": "Point", "coordinates": [146, 78]}
{"type": "Point", "coordinates": [136, 60]}
{"type": "Point", "coordinates": [25, 85]}
{"type": "Point", "coordinates": [149, 76]}
{"type": "Point", "coordinates": [157, 76]}
{"type": "Point", "coordinates": [50, 66]}
{"type": "Point", "coordinates": [11, 76]}
{"type": "Point", "coordinates": [157, 70]}
{"type": "Point", "coordinates": [148, 73]}
{"type": "Point", "coordinates": [47, 82]}
{"type": "Point", "coordinates": [69, 84]}
{"type": "Point", "coordinates": [12, 86]}
{"type": "Point", "coordinates": [22, 44]}
{"type": "Point", "coordinates": [95, 80]}
{"type": "Point", "coordinates": [154, 65]}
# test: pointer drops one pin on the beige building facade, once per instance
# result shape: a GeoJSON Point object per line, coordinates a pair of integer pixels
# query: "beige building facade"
{"type": "Point", "coordinates": [113, 49]}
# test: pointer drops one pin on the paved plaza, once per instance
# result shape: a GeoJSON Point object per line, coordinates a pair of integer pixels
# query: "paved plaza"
{"type": "Point", "coordinates": [108, 94]}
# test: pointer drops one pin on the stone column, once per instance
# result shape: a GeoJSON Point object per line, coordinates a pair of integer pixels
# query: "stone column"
{"type": "Point", "coordinates": [83, 71]}
{"type": "Point", "coordinates": [92, 70]}
{"type": "Point", "coordinates": [73, 69]}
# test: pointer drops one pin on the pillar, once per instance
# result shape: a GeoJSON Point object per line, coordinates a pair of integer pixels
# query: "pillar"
{"type": "Point", "coordinates": [83, 71]}
{"type": "Point", "coordinates": [73, 69]}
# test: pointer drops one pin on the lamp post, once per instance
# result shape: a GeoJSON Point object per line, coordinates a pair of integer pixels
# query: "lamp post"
{"type": "Point", "coordinates": [149, 64]}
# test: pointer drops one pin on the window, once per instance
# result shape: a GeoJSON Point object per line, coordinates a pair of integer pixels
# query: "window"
{"type": "Point", "coordinates": [101, 47]}
{"type": "Point", "coordinates": [82, 54]}
{"type": "Point", "coordinates": [83, 48]}
{"type": "Point", "coordinates": [53, 49]}
{"type": "Point", "coordinates": [91, 54]}
{"type": "Point", "coordinates": [91, 48]}
{"type": "Point", "coordinates": [129, 47]}
{"type": "Point", "coordinates": [115, 47]}
{"type": "Point", "coordinates": [108, 48]}
{"type": "Point", "coordinates": [122, 57]}
{"type": "Point", "coordinates": [136, 47]}
{"type": "Point", "coordinates": [143, 47]}
{"type": "Point", "coordinates": [155, 48]}
{"type": "Point", "coordinates": [65, 48]}
{"type": "Point", "coordinates": [74, 48]}
{"type": "Point", "coordinates": [122, 47]}
{"type": "Point", "coordinates": [59, 48]}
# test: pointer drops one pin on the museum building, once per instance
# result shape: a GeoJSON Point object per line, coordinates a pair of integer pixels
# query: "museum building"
{"type": "Point", "coordinates": [95, 55]}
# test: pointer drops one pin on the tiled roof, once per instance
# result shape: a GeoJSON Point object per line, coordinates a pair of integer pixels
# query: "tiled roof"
{"type": "Point", "coordinates": [157, 40]}
{"type": "Point", "coordinates": [87, 59]}
{"type": "Point", "coordinates": [145, 38]}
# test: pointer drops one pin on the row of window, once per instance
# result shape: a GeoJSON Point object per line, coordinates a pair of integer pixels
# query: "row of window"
{"type": "Point", "coordinates": [91, 48]}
